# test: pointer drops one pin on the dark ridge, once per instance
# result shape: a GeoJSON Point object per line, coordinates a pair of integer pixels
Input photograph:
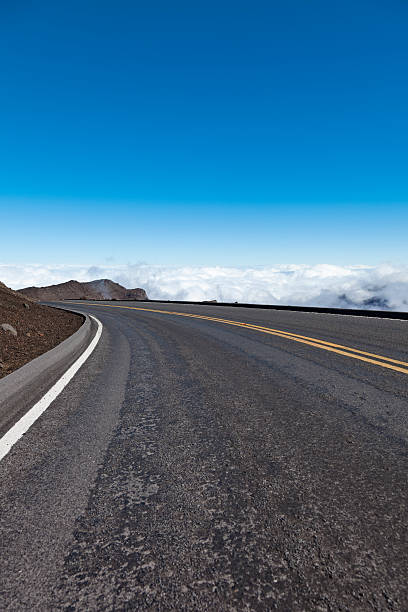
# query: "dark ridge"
{"type": "Point", "coordinates": [357, 312]}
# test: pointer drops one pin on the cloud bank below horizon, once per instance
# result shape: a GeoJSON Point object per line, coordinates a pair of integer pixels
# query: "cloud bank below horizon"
{"type": "Point", "coordinates": [380, 287]}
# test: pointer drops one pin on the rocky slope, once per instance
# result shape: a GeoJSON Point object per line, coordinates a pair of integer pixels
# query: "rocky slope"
{"type": "Point", "coordinates": [101, 289]}
{"type": "Point", "coordinates": [27, 329]}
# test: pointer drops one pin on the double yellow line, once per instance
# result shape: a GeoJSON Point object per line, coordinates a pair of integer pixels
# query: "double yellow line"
{"type": "Point", "coordinates": [347, 351]}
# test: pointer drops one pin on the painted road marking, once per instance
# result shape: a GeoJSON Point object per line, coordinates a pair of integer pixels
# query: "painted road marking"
{"type": "Point", "coordinates": [347, 351]}
{"type": "Point", "coordinates": [24, 424]}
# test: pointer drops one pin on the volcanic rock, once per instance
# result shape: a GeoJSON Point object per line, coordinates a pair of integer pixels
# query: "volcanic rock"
{"type": "Point", "coordinates": [9, 328]}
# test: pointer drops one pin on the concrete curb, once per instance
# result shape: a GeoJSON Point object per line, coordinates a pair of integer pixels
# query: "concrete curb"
{"type": "Point", "coordinates": [22, 388]}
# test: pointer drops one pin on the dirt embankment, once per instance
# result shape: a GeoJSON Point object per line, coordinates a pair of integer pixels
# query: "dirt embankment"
{"type": "Point", "coordinates": [27, 329]}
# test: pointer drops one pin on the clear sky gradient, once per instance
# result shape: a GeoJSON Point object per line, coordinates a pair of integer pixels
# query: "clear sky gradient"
{"type": "Point", "coordinates": [231, 133]}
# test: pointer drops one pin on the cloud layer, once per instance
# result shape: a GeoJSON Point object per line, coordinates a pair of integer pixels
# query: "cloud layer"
{"type": "Point", "coordinates": [380, 287]}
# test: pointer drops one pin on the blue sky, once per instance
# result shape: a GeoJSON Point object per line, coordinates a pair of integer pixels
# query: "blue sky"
{"type": "Point", "coordinates": [204, 133]}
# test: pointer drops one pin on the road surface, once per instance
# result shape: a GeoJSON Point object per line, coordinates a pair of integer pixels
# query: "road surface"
{"type": "Point", "coordinates": [198, 464]}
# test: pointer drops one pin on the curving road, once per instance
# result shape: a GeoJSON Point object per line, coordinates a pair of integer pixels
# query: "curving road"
{"type": "Point", "coordinates": [198, 464]}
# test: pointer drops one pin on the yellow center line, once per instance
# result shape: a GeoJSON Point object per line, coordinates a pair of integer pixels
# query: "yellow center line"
{"type": "Point", "coordinates": [316, 342]}
{"type": "Point", "coordinates": [348, 348]}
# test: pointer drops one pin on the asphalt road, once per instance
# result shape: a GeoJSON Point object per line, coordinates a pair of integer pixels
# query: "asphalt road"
{"type": "Point", "coordinates": [193, 464]}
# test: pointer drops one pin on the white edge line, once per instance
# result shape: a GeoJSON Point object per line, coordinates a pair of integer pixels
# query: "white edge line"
{"type": "Point", "coordinates": [23, 425]}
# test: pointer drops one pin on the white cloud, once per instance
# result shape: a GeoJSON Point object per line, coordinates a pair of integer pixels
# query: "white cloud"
{"type": "Point", "coordinates": [384, 286]}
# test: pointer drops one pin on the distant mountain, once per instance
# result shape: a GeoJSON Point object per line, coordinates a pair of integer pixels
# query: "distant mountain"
{"type": "Point", "coordinates": [101, 289]}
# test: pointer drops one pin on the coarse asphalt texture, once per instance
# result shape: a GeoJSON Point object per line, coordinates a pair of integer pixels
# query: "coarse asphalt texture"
{"type": "Point", "coordinates": [197, 465]}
